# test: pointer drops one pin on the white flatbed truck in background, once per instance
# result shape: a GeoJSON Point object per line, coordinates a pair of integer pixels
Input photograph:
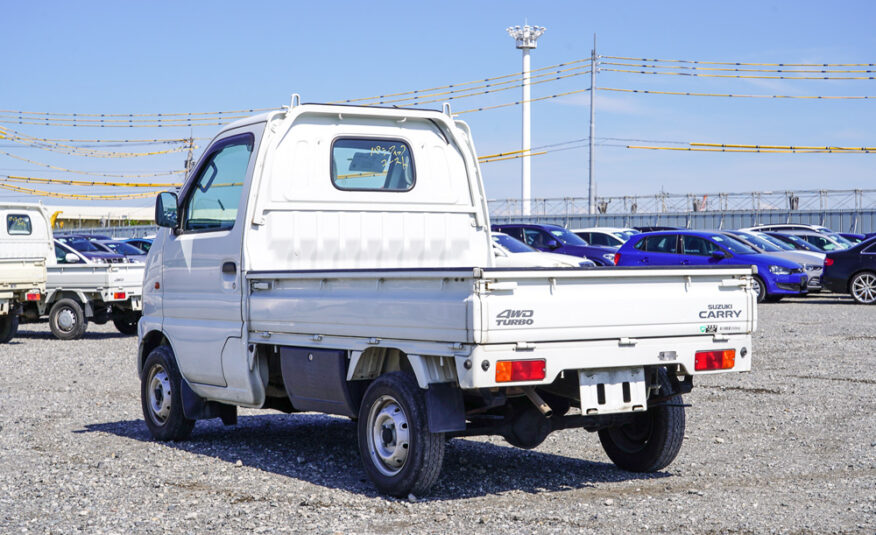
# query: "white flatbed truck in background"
{"type": "Point", "coordinates": [338, 259]}
{"type": "Point", "coordinates": [25, 248]}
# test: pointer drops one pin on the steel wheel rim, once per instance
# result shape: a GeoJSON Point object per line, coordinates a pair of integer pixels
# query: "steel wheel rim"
{"type": "Point", "coordinates": [864, 288]}
{"type": "Point", "coordinates": [159, 394]}
{"type": "Point", "coordinates": [388, 436]}
{"type": "Point", "coordinates": [755, 285]}
{"type": "Point", "coordinates": [65, 319]}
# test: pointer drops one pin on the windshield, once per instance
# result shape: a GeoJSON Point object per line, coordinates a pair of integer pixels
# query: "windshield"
{"type": "Point", "coordinates": [734, 245]}
{"type": "Point", "coordinates": [513, 245]}
{"type": "Point", "coordinates": [625, 234]}
{"type": "Point", "coordinates": [843, 241]}
{"type": "Point", "coordinates": [803, 243]}
{"type": "Point", "coordinates": [83, 245]}
{"type": "Point", "coordinates": [758, 242]}
{"type": "Point", "coordinates": [775, 241]}
{"type": "Point", "coordinates": [122, 248]}
{"type": "Point", "coordinates": [566, 236]}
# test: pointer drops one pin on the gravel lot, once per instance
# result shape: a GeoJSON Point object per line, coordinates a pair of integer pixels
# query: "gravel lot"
{"type": "Point", "coordinates": [788, 448]}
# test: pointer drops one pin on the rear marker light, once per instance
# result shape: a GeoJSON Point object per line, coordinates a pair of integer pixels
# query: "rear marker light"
{"type": "Point", "coordinates": [715, 360]}
{"type": "Point", "coordinates": [32, 296]}
{"type": "Point", "coordinates": [119, 295]}
{"type": "Point", "coordinates": [520, 370]}
{"type": "Point", "coordinates": [616, 258]}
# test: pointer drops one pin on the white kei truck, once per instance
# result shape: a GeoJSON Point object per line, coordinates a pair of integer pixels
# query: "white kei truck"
{"type": "Point", "coordinates": [25, 249]}
{"type": "Point", "coordinates": [338, 259]}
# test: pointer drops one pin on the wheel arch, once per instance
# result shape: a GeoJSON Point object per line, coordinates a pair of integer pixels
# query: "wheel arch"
{"type": "Point", "coordinates": [150, 341]}
{"type": "Point", "coordinates": [855, 274]}
{"type": "Point", "coordinates": [377, 361]}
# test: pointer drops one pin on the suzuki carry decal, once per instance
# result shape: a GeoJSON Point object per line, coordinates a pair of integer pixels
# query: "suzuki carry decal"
{"type": "Point", "coordinates": [720, 311]}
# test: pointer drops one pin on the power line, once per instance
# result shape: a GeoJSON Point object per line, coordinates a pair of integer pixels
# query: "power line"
{"type": "Point", "coordinates": [743, 63]}
{"type": "Point", "coordinates": [731, 95]}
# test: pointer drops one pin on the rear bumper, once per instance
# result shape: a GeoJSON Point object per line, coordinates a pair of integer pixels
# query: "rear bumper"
{"type": "Point", "coordinates": [560, 357]}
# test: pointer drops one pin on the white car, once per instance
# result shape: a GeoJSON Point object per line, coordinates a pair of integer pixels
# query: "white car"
{"type": "Point", "coordinates": [511, 252]}
{"type": "Point", "coordinates": [607, 236]}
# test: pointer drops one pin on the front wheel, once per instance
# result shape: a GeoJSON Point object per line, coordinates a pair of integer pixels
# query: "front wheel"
{"type": "Point", "coordinates": [863, 288]}
{"type": "Point", "coordinates": [8, 327]}
{"type": "Point", "coordinates": [759, 288]}
{"type": "Point", "coordinates": [398, 452]}
{"type": "Point", "coordinates": [652, 439]}
{"type": "Point", "coordinates": [67, 320]}
{"type": "Point", "coordinates": [161, 397]}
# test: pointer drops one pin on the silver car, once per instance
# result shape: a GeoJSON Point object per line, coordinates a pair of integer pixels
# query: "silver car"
{"type": "Point", "coordinates": [813, 263]}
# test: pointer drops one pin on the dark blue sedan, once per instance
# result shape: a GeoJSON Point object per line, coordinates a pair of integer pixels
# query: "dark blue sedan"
{"type": "Point", "coordinates": [775, 278]}
{"type": "Point", "coordinates": [853, 271]}
{"type": "Point", "coordinates": [556, 239]}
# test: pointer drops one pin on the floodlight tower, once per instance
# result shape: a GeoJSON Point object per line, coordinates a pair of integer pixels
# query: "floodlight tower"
{"type": "Point", "coordinates": [525, 39]}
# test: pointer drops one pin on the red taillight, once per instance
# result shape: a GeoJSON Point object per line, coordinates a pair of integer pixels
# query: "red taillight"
{"type": "Point", "coordinates": [715, 360]}
{"type": "Point", "coordinates": [32, 296]}
{"type": "Point", "coordinates": [828, 261]}
{"type": "Point", "coordinates": [519, 370]}
{"type": "Point", "coordinates": [120, 295]}
{"type": "Point", "coordinates": [616, 258]}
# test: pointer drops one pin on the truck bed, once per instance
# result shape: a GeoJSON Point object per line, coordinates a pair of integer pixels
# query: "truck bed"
{"type": "Point", "coordinates": [501, 306]}
{"type": "Point", "coordinates": [96, 278]}
{"type": "Point", "coordinates": [22, 274]}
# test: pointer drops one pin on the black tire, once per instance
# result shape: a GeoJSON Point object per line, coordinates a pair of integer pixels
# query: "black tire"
{"type": "Point", "coordinates": [127, 323]}
{"type": "Point", "coordinates": [398, 452]}
{"type": "Point", "coordinates": [760, 287]}
{"type": "Point", "coordinates": [8, 327]}
{"type": "Point", "coordinates": [67, 320]}
{"type": "Point", "coordinates": [161, 397]}
{"type": "Point", "coordinates": [652, 440]}
{"type": "Point", "coordinates": [862, 287]}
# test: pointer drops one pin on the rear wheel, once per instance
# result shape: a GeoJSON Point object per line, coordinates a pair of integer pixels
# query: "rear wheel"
{"type": "Point", "coordinates": [863, 288]}
{"type": "Point", "coordinates": [161, 397]}
{"type": "Point", "coordinates": [67, 320]}
{"type": "Point", "coordinates": [126, 322]}
{"type": "Point", "coordinates": [398, 452]}
{"type": "Point", "coordinates": [651, 441]}
{"type": "Point", "coordinates": [8, 327]}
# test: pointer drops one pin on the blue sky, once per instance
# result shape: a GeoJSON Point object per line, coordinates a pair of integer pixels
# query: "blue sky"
{"type": "Point", "coordinates": [173, 57]}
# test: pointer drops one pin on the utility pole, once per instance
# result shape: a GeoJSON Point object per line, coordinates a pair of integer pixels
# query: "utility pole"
{"type": "Point", "coordinates": [591, 194]}
{"type": "Point", "coordinates": [189, 157]}
{"type": "Point", "coordinates": [525, 39]}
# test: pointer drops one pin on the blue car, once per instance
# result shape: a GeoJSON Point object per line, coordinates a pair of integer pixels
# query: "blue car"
{"type": "Point", "coordinates": [776, 277]}
{"type": "Point", "coordinates": [556, 239]}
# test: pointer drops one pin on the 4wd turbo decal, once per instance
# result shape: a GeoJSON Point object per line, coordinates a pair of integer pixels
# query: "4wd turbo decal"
{"type": "Point", "coordinates": [515, 317]}
{"type": "Point", "coordinates": [719, 311]}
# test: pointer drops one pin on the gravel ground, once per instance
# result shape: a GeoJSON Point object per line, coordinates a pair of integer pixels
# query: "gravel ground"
{"type": "Point", "coordinates": [788, 448]}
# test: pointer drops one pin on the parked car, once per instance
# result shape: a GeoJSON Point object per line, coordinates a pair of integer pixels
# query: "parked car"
{"type": "Point", "coordinates": [853, 271]}
{"type": "Point", "coordinates": [605, 236]}
{"type": "Point", "coordinates": [91, 251]}
{"type": "Point", "coordinates": [852, 237]}
{"type": "Point", "coordinates": [775, 278]}
{"type": "Point", "coordinates": [812, 262]}
{"type": "Point", "coordinates": [511, 252]}
{"type": "Point", "coordinates": [655, 228]}
{"type": "Point", "coordinates": [794, 241]}
{"type": "Point", "coordinates": [133, 254]}
{"type": "Point", "coordinates": [140, 243]}
{"type": "Point", "coordinates": [784, 227]}
{"type": "Point", "coordinates": [823, 241]}
{"type": "Point", "coordinates": [556, 239]}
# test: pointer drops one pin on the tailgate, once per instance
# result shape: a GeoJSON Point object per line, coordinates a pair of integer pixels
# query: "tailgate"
{"type": "Point", "coordinates": [22, 273]}
{"type": "Point", "coordinates": [128, 277]}
{"type": "Point", "coordinates": [554, 305]}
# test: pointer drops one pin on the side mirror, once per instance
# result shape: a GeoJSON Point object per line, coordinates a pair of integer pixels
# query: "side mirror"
{"type": "Point", "coordinates": [166, 209]}
{"type": "Point", "coordinates": [552, 244]}
{"type": "Point", "coordinates": [720, 255]}
{"type": "Point", "coordinates": [71, 258]}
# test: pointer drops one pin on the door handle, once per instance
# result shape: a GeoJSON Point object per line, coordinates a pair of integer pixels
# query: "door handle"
{"type": "Point", "coordinates": [229, 268]}
{"type": "Point", "coordinates": [685, 262]}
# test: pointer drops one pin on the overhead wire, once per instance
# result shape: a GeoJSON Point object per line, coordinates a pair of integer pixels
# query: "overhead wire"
{"type": "Point", "coordinates": [732, 95]}
{"type": "Point", "coordinates": [43, 193]}
{"type": "Point", "coordinates": [622, 58]}
{"type": "Point", "coordinates": [749, 77]}
{"type": "Point", "coordinates": [686, 67]}
{"type": "Point", "coordinates": [70, 182]}
{"type": "Point", "coordinates": [117, 175]}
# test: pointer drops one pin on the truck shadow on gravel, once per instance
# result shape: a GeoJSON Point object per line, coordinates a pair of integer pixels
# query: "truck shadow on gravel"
{"type": "Point", "coordinates": [323, 450]}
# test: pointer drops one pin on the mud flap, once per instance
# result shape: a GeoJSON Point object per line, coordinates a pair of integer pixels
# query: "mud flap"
{"type": "Point", "coordinates": [445, 409]}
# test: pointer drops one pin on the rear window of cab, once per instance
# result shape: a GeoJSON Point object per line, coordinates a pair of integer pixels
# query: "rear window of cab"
{"type": "Point", "coordinates": [360, 164]}
{"type": "Point", "coordinates": [18, 225]}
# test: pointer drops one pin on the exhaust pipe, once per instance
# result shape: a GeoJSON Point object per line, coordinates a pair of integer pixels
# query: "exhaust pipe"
{"type": "Point", "coordinates": [539, 403]}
